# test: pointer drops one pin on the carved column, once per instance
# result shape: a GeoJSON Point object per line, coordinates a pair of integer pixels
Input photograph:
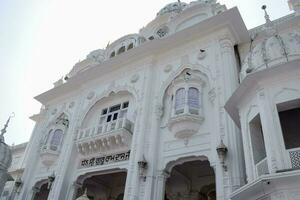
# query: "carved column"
{"type": "Point", "coordinates": [221, 184]}
{"type": "Point", "coordinates": [134, 184]}
{"type": "Point", "coordinates": [160, 187]}
{"type": "Point", "coordinates": [30, 158]}
{"type": "Point", "coordinates": [247, 149]}
{"type": "Point", "coordinates": [66, 161]}
{"type": "Point", "coordinates": [272, 136]}
{"type": "Point", "coordinates": [74, 190]}
{"type": "Point", "coordinates": [229, 67]}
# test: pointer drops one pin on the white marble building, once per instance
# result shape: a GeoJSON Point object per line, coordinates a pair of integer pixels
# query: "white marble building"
{"type": "Point", "coordinates": [193, 107]}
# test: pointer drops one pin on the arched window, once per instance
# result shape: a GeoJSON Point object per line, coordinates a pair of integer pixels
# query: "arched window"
{"type": "Point", "coordinates": [56, 139]}
{"type": "Point", "coordinates": [121, 50]}
{"type": "Point", "coordinates": [193, 100]}
{"type": "Point", "coordinates": [179, 100]}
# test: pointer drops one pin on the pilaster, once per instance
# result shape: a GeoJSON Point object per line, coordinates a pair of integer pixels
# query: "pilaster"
{"type": "Point", "coordinates": [247, 149]}
{"type": "Point", "coordinates": [31, 154]}
{"type": "Point", "coordinates": [229, 82]}
{"type": "Point", "coordinates": [61, 174]}
{"type": "Point", "coordinates": [134, 182]}
{"type": "Point", "coordinates": [160, 185]}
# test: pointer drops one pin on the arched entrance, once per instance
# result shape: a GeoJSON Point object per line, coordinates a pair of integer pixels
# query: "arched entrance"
{"type": "Point", "coordinates": [42, 191]}
{"type": "Point", "coordinates": [104, 186]}
{"type": "Point", "coordinates": [191, 180]}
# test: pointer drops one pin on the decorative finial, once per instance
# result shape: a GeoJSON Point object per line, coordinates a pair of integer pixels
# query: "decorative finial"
{"type": "Point", "coordinates": [180, 7]}
{"type": "Point", "coordinates": [269, 26]}
{"type": "Point", "coordinates": [267, 17]}
{"type": "Point", "coordinates": [6, 124]}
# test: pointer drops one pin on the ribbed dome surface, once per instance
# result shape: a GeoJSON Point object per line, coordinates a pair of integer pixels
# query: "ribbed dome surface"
{"type": "Point", "coordinates": [5, 156]}
{"type": "Point", "coordinates": [172, 7]}
{"type": "Point", "coordinates": [272, 51]}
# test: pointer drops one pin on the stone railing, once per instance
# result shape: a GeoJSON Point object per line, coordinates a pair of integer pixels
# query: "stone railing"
{"type": "Point", "coordinates": [262, 167]}
{"type": "Point", "coordinates": [105, 138]}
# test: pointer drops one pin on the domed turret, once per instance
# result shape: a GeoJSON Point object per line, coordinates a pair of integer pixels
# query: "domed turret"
{"type": "Point", "coordinates": [276, 48]}
{"type": "Point", "coordinates": [5, 158]}
{"type": "Point", "coordinates": [272, 51]}
{"type": "Point", "coordinates": [5, 152]}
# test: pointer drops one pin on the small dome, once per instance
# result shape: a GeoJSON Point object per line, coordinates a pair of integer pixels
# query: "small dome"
{"type": "Point", "coordinates": [172, 7]}
{"type": "Point", "coordinates": [277, 49]}
{"type": "Point", "coordinates": [97, 55]}
{"type": "Point", "coordinates": [84, 196]}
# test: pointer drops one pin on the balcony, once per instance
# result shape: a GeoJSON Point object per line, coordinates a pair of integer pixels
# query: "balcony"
{"type": "Point", "coordinates": [262, 167]}
{"type": "Point", "coordinates": [185, 123]}
{"type": "Point", "coordinates": [48, 155]}
{"type": "Point", "coordinates": [110, 137]}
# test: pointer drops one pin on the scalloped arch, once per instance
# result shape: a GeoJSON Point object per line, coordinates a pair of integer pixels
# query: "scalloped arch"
{"type": "Point", "coordinates": [41, 182]}
{"type": "Point", "coordinates": [205, 71]}
{"type": "Point", "coordinates": [106, 93]}
{"type": "Point", "coordinates": [180, 160]}
{"type": "Point", "coordinates": [95, 172]}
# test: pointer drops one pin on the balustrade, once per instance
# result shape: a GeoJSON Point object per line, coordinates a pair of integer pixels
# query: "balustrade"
{"type": "Point", "coordinates": [109, 137]}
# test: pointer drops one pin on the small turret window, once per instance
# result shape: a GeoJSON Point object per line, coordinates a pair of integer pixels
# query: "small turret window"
{"type": "Point", "coordinates": [130, 46]}
{"type": "Point", "coordinates": [162, 32]}
{"type": "Point", "coordinates": [121, 50]}
{"type": "Point", "coordinates": [151, 38]}
{"type": "Point", "coordinates": [112, 54]}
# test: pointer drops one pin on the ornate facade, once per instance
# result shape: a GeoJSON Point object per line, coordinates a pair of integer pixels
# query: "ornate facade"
{"type": "Point", "coordinates": [193, 107]}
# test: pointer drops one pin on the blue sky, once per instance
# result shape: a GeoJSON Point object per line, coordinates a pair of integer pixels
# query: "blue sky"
{"type": "Point", "coordinates": [40, 41]}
